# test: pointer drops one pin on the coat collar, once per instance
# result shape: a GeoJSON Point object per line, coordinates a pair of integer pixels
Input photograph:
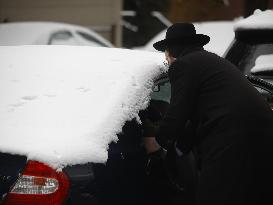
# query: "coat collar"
{"type": "Point", "coordinates": [186, 51]}
{"type": "Point", "coordinates": [189, 50]}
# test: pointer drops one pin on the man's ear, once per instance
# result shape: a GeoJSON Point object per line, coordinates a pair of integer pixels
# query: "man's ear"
{"type": "Point", "coordinates": [169, 57]}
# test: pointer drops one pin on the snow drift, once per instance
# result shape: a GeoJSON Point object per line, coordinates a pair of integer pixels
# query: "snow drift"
{"type": "Point", "coordinates": [63, 105]}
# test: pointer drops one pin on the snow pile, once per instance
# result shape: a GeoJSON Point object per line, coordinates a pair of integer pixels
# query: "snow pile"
{"type": "Point", "coordinates": [263, 63]}
{"type": "Point", "coordinates": [63, 105]}
{"type": "Point", "coordinates": [220, 32]}
{"type": "Point", "coordinates": [259, 20]}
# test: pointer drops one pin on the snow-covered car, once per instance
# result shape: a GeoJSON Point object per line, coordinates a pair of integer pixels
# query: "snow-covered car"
{"type": "Point", "coordinates": [252, 48]}
{"type": "Point", "coordinates": [60, 120]}
{"type": "Point", "coordinates": [49, 33]}
{"type": "Point", "coordinates": [220, 32]}
{"type": "Point", "coordinates": [59, 113]}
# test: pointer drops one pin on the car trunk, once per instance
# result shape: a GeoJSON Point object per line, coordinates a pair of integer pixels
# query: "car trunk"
{"type": "Point", "coordinates": [10, 168]}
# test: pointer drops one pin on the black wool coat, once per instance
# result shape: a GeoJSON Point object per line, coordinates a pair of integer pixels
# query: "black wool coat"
{"type": "Point", "coordinates": [233, 128]}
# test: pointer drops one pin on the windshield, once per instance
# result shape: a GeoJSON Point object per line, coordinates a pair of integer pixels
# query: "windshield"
{"type": "Point", "coordinates": [255, 51]}
{"type": "Point", "coordinates": [246, 54]}
{"type": "Point", "coordinates": [162, 91]}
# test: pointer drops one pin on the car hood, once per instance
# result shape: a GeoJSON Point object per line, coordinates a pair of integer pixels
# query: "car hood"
{"type": "Point", "coordinates": [63, 105]}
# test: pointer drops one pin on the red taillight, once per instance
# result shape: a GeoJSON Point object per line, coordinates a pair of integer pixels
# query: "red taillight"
{"type": "Point", "coordinates": [38, 184]}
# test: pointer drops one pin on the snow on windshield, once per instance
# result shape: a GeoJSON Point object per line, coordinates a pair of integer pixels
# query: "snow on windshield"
{"type": "Point", "coordinates": [63, 105]}
{"type": "Point", "coordinates": [263, 63]}
{"type": "Point", "coordinates": [220, 32]}
{"type": "Point", "coordinates": [259, 20]}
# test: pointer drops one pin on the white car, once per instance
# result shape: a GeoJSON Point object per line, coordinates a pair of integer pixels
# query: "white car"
{"type": "Point", "coordinates": [49, 33]}
{"type": "Point", "coordinates": [220, 32]}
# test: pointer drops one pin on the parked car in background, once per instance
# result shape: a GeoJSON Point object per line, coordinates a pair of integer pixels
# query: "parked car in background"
{"type": "Point", "coordinates": [252, 48]}
{"type": "Point", "coordinates": [49, 33]}
{"type": "Point", "coordinates": [220, 32]}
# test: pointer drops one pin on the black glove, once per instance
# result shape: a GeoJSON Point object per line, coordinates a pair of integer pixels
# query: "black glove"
{"type": "Point", "coordinates": [157, 168]}
{"type": "Point", "coordinates": [150, 119]}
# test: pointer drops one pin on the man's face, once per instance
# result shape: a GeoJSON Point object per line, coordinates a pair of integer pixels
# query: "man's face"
{"type": "Point", "coordinates": [169, 58]}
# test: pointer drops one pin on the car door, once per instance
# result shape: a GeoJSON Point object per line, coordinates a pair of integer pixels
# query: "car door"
{"type": "Point", "coordinates": [264, 87]}
{"type": "Point", "coordinates": [123, 179]}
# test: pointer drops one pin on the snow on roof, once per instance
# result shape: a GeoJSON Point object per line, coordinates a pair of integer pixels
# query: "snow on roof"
{"type": "Point", "coordinates": [220, 32]}
{"type": "Point", "coordinates": [263, 63]}
{"type": "Point", "coordinates": [259, 20]}
{"type": "Point", "coordinates": [32, 33]}
{"type": "Point", "coordinates": [63, 105]}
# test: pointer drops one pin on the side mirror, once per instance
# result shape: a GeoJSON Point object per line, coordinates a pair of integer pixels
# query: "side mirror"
{"type": "Point", "coordinates": [156, 88]}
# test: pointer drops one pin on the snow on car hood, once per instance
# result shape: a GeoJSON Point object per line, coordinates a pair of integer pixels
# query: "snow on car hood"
{"type": "Point", "coordinates": [263, 63]}
{"type": "Point", "coordinates": [259, 20]}
{"type": "Point", "coordinates": [63, 105]}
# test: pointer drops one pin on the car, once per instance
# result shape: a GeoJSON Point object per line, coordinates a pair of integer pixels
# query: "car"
{"type": "Point", "coordinates": [61, 111]}
{"type": "Point", "coordinates": [61, 117]}
{"type": "Point", "coordinates": [252, 48]}
{"type": "Point", "coordinates": [221, 33]}
{"type": "Point", "coordinates": [49, 33]}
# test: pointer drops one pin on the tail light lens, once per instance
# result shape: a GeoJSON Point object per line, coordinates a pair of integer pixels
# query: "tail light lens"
{"type": "Point", "coordinates": [39, 184]}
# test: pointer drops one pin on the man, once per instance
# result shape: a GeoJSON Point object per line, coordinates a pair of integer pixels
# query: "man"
{"type": "Point", "coordinates": [233, 124]}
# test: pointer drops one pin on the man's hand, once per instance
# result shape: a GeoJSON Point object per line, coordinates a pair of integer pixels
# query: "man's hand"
{"type": "Point", "coordinates": [155, 166]}
{"type": "Point", "coordinates": [158, 170]}
{"type": "Point", "coordinates": [151, 145]}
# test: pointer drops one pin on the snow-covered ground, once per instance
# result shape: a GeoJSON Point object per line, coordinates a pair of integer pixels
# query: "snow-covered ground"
{"type": "Point", "coordinates": [63, 105]}
{"type": "Point", "coordinates": [220, 32]}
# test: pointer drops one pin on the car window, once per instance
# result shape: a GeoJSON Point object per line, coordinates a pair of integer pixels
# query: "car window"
{"type": "Point", "coordinates": [62, 38]}
{"type": "Point", "coordinates": [263, 65]}
{"type": "Point", "coordinates": [90, 39]}
{"type": "Point", "coordinates": [162, 91]}
{"type": "Point", "coordinates": [251, 53]}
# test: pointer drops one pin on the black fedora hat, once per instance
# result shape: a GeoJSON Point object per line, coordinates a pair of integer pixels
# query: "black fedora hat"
{"type": "Point", "coordinates": [181, 34]}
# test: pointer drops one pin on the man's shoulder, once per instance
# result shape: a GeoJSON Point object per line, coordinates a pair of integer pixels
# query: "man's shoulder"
{"type": "Point", "coordinates": [204, 59]}
{"type": "Point", "coordinates": [182, 67]}
{"type": "Point", "coordinates": [198, 55]}
{"type": "Point", "coordinates": [192, 60]}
